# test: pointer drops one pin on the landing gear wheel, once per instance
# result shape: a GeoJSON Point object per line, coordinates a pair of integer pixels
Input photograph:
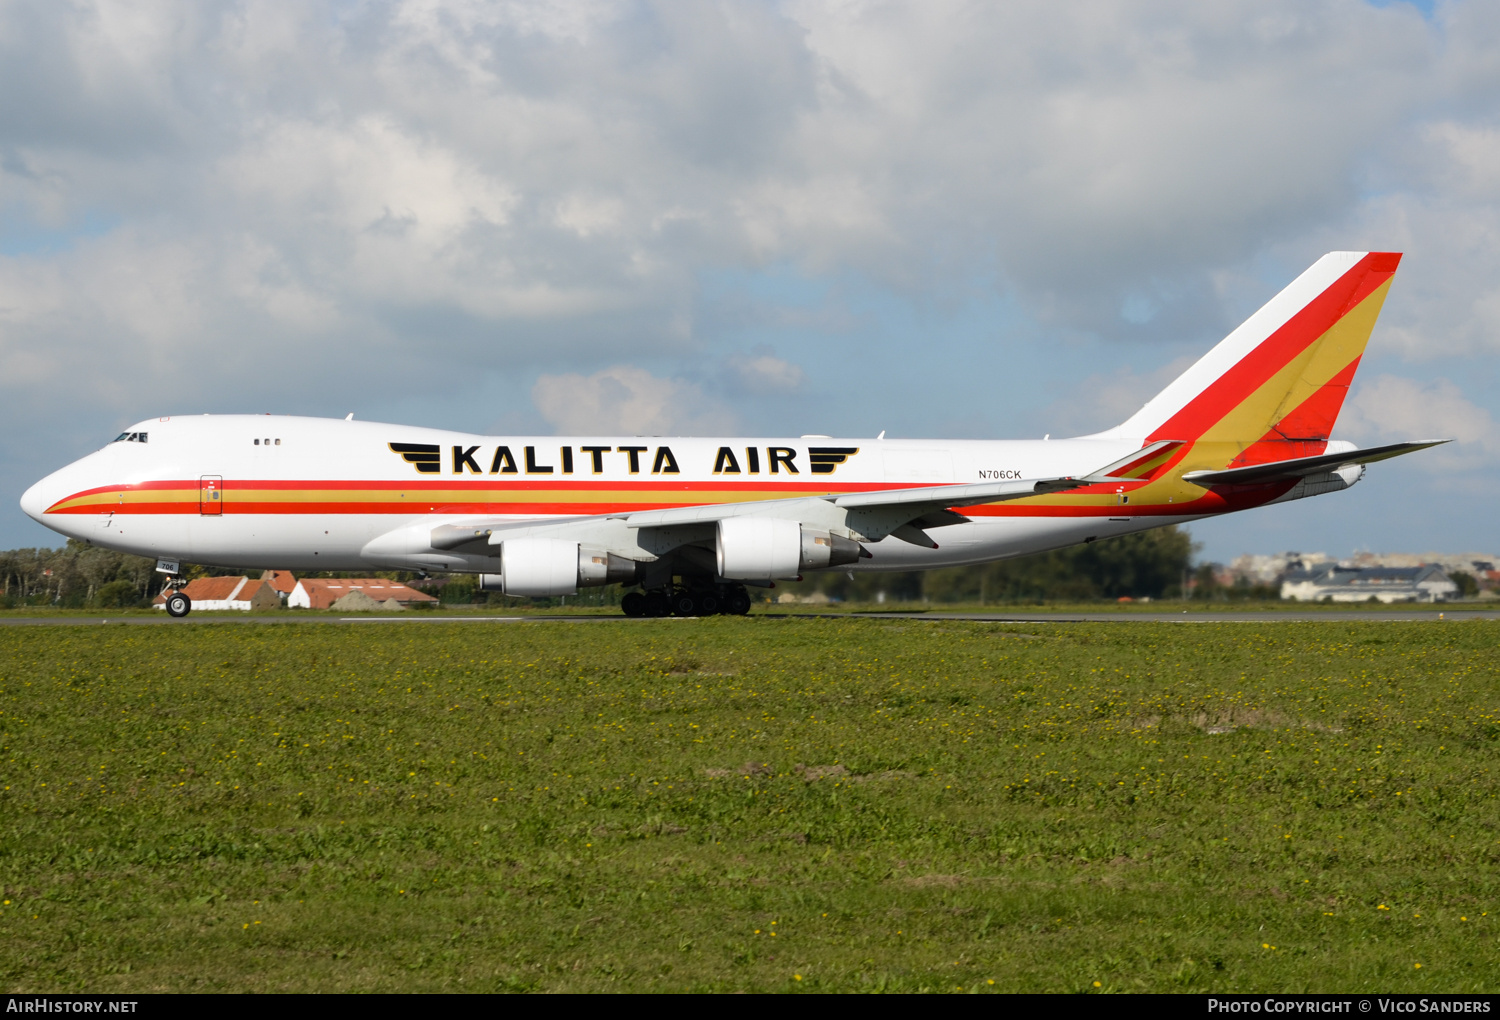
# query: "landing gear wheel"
{"type": "Point", "coordinates": [684, 604]}
{"type": "Point", "coordinates": [708, 604]}
{"type": "Point", "coordinates": [634, 604]}
{"type": "Point", "coordinates": [737, 602]}
{"type": "Point", "coordinates": [178, 605]}
{"type": "Point", "coordinates": [657, 604]}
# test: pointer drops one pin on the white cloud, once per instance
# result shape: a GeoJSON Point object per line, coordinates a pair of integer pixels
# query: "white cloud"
{"type": "Point", "coordinates": [1390, 409]}
{"type": "Point", "coordinates": [624, 399]}
{"type": "Point", "coordinates": [549, 162]}
{"type": "Point", "coordinates": [761, 372]}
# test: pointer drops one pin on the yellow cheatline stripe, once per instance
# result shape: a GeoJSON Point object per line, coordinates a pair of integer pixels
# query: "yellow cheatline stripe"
{"type": "Point", "coordinates": [119, 497]}
{"type": "Point", "coordinates": [1300, 378]}
{"type": "Point", "coordinates": [162, 496]}
{"type": "Point", "coordinates": [234, 494]}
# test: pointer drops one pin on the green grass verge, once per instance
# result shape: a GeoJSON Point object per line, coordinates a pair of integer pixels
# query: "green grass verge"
{"type": "Point", "coordinates": [823, 608]}
{"type": "Point", "coordinates": [751, 804]}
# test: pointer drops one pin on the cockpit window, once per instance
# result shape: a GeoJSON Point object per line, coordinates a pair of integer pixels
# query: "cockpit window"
{"type": "Point", "coordinates": [131, 437]}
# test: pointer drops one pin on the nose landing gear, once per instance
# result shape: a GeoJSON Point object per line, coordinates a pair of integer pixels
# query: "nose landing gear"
{"type": "Point", "coordinates": [726, 599]}
{"type": "Point", "coordinates": [178, 604]}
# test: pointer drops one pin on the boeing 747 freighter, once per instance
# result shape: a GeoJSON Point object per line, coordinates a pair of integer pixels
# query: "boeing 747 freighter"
{"type": "Point", "coordinates": [690, 523]}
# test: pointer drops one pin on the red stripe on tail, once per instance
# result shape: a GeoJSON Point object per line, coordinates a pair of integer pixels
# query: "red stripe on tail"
{"type": "Point", "coordinates": [1273, 353]}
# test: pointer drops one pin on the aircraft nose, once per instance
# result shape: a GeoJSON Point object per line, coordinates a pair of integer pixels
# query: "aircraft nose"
{"type": "Point", "coordinates": [34, 501]}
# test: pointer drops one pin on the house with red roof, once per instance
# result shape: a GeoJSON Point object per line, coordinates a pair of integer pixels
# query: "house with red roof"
{"type": "Point", "coordinates": [218, 593]}
{"type": "Point", "coordinates": [281, 581]}
{"type": "Point", "coordinates": [323, 592]}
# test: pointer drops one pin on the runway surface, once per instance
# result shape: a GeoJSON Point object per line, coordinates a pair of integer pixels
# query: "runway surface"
{"type": "Point", "coordinates": [1267, 616]}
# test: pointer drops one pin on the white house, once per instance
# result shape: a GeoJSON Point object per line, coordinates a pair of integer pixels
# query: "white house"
{"type": "Point", "coordinates": [1380, 584]}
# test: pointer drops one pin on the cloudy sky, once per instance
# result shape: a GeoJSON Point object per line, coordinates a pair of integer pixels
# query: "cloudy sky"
{"type": "Point", "coordinates": [933, 218]}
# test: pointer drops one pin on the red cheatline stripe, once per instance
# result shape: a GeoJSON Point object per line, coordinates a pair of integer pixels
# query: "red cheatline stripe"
{"type": "Point", "coordinates": [1211, 502]}
{"type": "Point", "coordinates": [1272, 354]}
{"type": "Point", "coordinates": [523, 483]}
{"type": "Point", "coordinates": [541, 510]}
{"type": "Point", "coordinates": [405, 509]}
{"type": "Point", "coordinates": [441, 501]}
{"type": "Point", "coordinates": [501, 483]}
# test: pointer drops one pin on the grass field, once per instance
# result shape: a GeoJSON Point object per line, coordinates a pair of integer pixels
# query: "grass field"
{"type": "Point", "coordinates": [763, 804]}
{"type": "Point", "coordinates": [523, 609]}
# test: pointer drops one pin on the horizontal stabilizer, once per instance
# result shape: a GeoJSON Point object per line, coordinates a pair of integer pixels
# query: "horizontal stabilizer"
{"type": "Point", "coordinates": [1301, 467]}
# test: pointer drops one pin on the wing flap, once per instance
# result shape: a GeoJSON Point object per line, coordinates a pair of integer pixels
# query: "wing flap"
{"type": "Point", "coordinates": [944, 496]}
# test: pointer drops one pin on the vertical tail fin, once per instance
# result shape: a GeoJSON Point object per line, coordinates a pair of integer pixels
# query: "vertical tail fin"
{"type": "Point", "coordinates": [1273, 387]}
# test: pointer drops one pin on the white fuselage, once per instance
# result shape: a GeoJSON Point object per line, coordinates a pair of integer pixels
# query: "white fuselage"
{"type": "Point", "coordinates": [323, 494]}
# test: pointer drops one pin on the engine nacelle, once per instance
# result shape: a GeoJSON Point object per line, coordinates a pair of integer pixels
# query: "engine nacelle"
{"type": "Point", "coordinates": [770, 548]}
{"type": "Point", "coordinates": [537, 567]}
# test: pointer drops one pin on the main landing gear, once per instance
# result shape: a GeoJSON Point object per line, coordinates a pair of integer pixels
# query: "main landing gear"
{"type": "Point", "coordinates": [728, 599]}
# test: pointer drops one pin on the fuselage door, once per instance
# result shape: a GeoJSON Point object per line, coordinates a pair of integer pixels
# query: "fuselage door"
{"type": "Point", "coordinates": [211, 495]}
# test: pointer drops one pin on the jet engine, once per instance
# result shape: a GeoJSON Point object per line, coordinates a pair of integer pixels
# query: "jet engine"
{"type": "Point", "coordinates": [767, 548]}
{"type": "Point", "coordinates": [551, 566]}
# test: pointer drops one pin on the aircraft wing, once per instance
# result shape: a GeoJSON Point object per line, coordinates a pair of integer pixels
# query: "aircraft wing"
{"type": "Point", "coordinates": [1301, 467]}
{"type": "Point", "coordinates": [916, 501]}
{"type": "Point", "coordinates": [902, 512]}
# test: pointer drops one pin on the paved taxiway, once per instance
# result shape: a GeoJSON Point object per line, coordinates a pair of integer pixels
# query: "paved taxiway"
{"type": "Point", "coordinates": [1267, 616]}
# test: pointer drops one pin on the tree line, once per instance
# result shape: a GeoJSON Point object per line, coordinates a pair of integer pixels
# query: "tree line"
{"type": "Point", "coordinates": [1153, 564]}
{"type": "Point", "coordinates": [76, 576]}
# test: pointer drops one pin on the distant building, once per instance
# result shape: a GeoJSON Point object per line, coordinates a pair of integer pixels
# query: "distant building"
{"type": "Point", "coordinates": [817, 598]}
{"type": "Point", "coordinates": [1473, 563]}
{"type": "Point", "coordinates": [323, 592]}
{"type": "Point", "coordinates": [1262, 569]}
{"type": "Point", "coordinates": [281, 581]}
{"type": "Point", "coordinates": [216, 593]}
{"type": "Point", "coordinates": [1354, 584]}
